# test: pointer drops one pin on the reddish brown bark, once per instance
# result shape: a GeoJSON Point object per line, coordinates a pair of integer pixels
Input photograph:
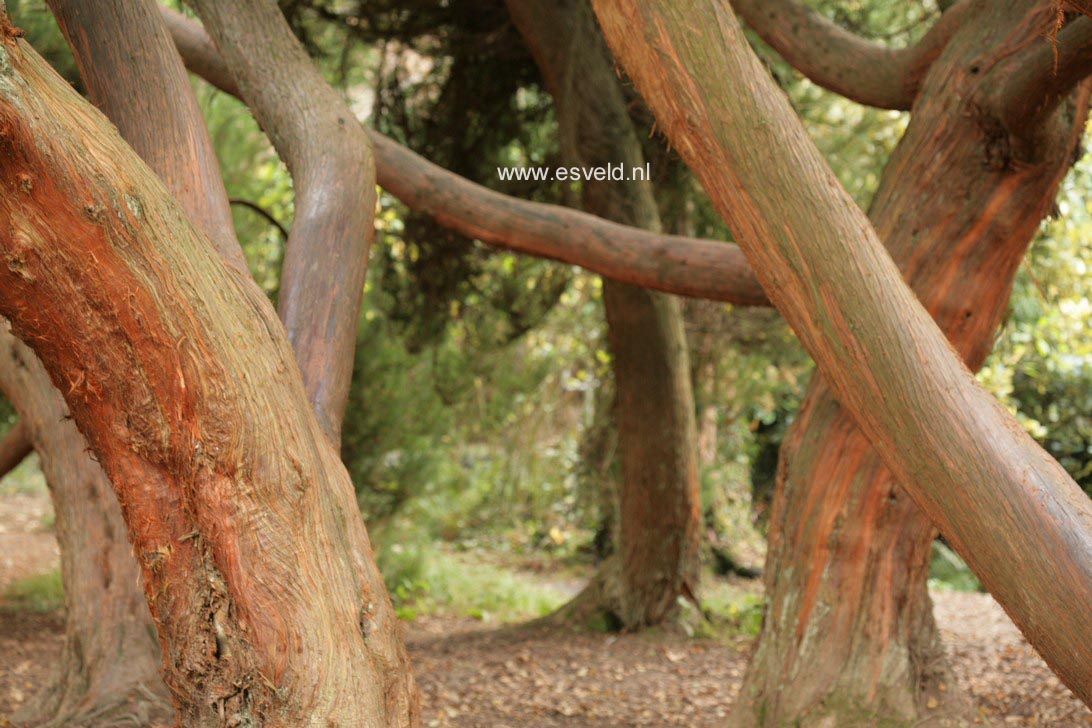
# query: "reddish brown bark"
{"type": "Point", "coordinates": [862, 70]}
{"type": "Point", "coordinates": [675, 264]}
{"type": "Point", "coordinates": [109, 669]}
{"type": "Point", "coordinates": [106, 615]}
{"type": "Point", "coordinates": [1007, 507]}
{"type": "Point", "coordinates": [15, 446]}
{"type": "Point", "coordinates": [175, 369]}
{"type": "Point", "coordinates": [656, 560]}
{"type": "Point", "coordinates": [849, 631]}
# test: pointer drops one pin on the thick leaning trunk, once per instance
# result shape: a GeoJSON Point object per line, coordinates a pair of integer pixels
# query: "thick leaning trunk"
{"type": "Point", "coordinates": [656, 560]}
{"type": "Point", "coordinates": [109, 669]}
{"type": "Point", "coordinates": [256, 564]}
{"type": "Point", "coordinates": [849, 632]}
{"type": "Point", "coordinates": [1005, 505]}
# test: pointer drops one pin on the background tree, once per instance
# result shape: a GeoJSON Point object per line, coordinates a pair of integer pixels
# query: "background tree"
{"type": "Point", "coordinates": [656, 560]}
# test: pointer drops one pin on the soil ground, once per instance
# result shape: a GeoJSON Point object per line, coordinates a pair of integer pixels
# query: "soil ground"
{"type": "Point", "coordinates": [479, 674]}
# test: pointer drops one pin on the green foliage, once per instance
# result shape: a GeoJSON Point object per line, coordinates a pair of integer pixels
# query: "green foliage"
{"type": "Point", "coordinates": [426, 579]}
{"type": "Point", "coordinates": [39, 593]}
{"type": "Point", "coordinates": [734, 609]}
{"type": "Point", "coordinates": [948, 571]}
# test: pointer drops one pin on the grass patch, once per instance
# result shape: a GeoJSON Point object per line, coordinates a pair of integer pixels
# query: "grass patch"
{"type": "Point", "coordinates": [948, 571]}
{"type": "Point", "coordinates": [733, 608]}
{"type": "Point", "coordinates": [424, 579]}
{"type": "Point", "coordinates": [40, 593]}
{"type": "Point", "coordinates": [26, 479]}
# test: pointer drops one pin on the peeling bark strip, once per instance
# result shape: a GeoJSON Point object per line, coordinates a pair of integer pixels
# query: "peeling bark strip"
{"type": "Point", "coordinates": [256, 564]}
{"type": "Point", "coordinates": [670, 263]}
{"type": "Point", "coordinates": [1011, 511]}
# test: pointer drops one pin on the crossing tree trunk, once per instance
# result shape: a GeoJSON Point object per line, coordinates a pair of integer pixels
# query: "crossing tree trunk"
{"type": "Point", "coordinates": [849, 632]}
{"type": "Point", "coordinates": [1006, 506]}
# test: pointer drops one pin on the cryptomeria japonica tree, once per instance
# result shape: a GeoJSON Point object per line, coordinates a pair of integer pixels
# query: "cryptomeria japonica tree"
{"type": "Point", "coordinates": [215, 421]}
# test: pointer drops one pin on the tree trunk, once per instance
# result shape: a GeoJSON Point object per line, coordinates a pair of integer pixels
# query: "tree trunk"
{"type": "Point", "coordinates": [109, 669]}
{"type": "Point", "coordinates": [1008, 508]}
{"type": "Point", "coordinates": [659, 515]}
{"type": "Point", "coordinates": [849, 633]}
{"type": "Point", "coordinates": [256, 564]}
{"type": "Point", "coordinates": [658, 531]}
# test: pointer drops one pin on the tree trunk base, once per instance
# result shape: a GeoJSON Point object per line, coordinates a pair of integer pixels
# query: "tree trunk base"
{"type": "Point", "coordinates": [70, 702]}
{"type": "Point", "coordinates": [600, 607]}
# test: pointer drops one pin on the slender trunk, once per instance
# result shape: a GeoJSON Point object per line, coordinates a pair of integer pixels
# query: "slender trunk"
{"type": "Point", "coordinates": [849, 631]}
{"type": "Point", "coordinates": [659, 504]}
{"type": "Point", "coordinates": [658, 530]}
{"type": "Point", "coordinates": [1013, 513]}
{"type": "Point", "coordinates": [256, 564]}
{"type": "Point", "coordinates": [109, 669]}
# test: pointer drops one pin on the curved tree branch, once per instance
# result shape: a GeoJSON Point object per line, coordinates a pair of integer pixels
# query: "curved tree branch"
{"type": "Point", "coordinates": [675, 264]}
{"type": "Point", "coordinates": [843, 62]}
{"type": "Point", "coordinates": [15, 445]}
{"type": "Point", "coordinates": [262, 213]}
{"type": "Point", "coordinates": [330, 159]}
{"type": "Point", "coordinates": [1009, 508]}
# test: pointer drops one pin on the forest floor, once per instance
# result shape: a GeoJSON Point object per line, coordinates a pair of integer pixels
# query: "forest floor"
{"type": "Point", "coordinates": [474, 672]}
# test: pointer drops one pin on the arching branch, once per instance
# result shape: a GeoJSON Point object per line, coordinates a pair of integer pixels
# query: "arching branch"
{"type": "Point", "coordinates": [330, 159]}
{"type": "Point", "coordinates": [15, 445]}
{"type": "Point", "coordinates": [841, 61]}
{"type": "Point", "coordinates": [675, 264]}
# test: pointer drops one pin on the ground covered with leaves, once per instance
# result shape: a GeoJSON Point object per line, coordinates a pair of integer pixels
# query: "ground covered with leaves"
{"type": "Point", "coordinates": [477, 671]}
